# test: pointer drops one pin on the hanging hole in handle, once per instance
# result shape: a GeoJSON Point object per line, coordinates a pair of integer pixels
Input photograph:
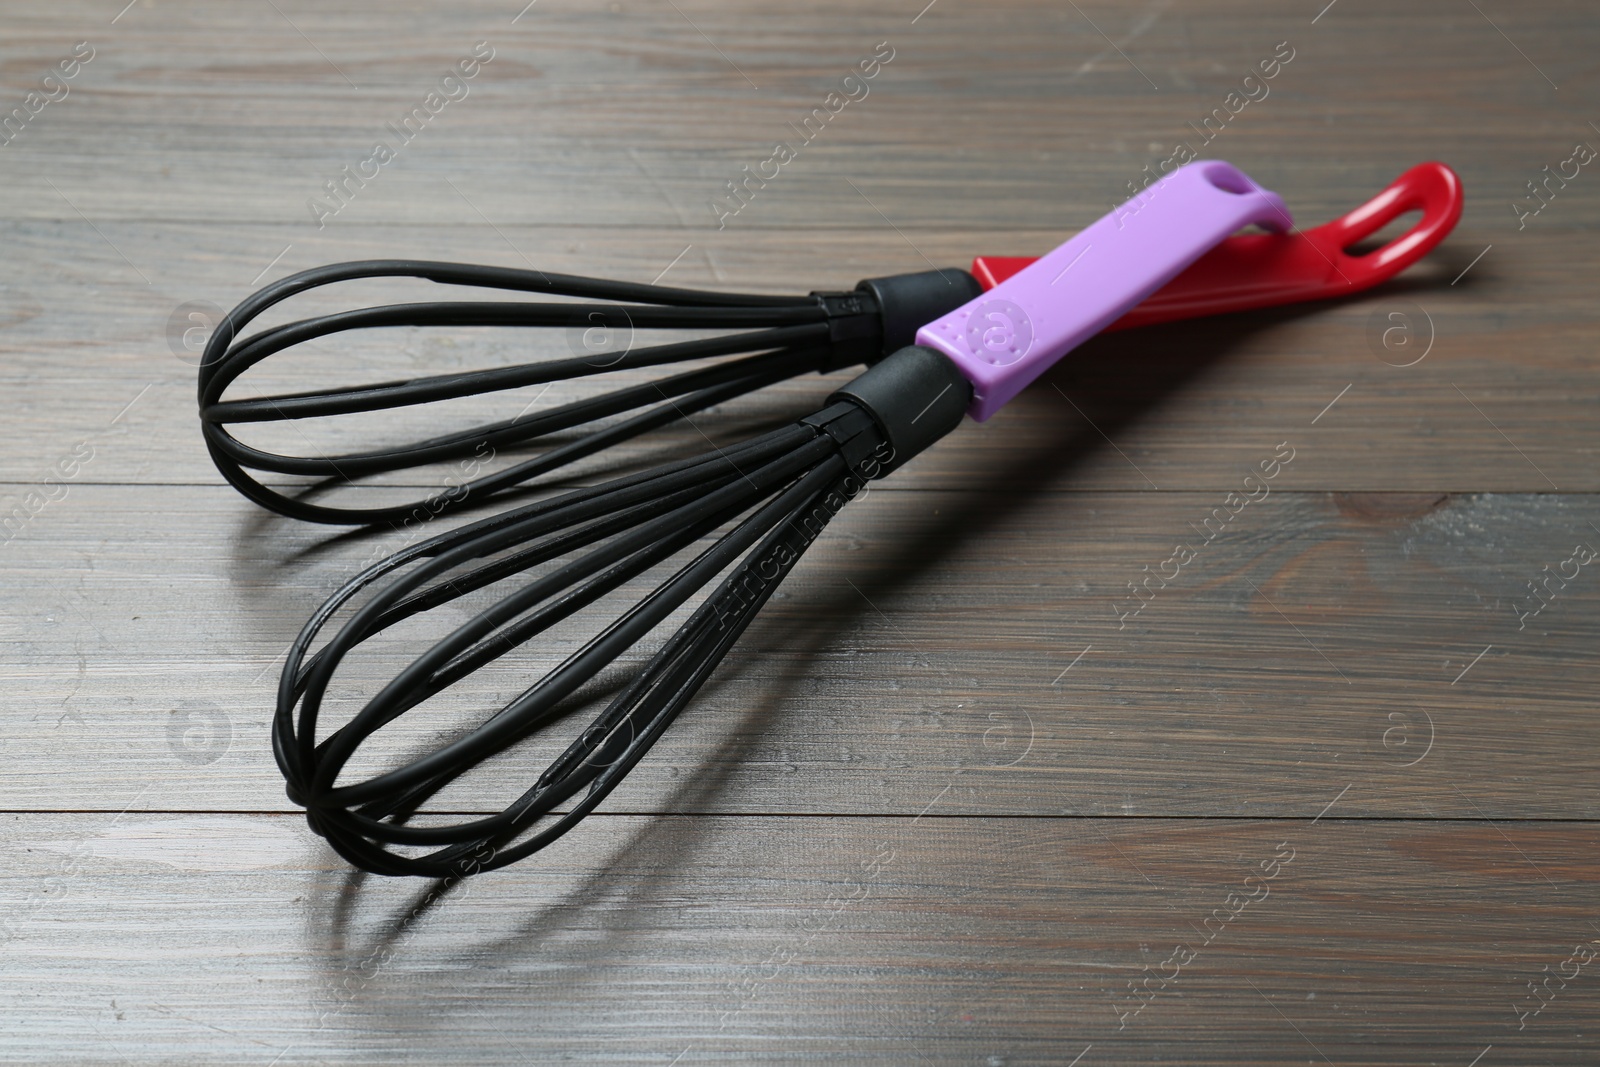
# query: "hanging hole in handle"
{"type": "Point", "coordinates": [1395, 228]}
{"type": "Point", "coordinates": [1228, 179]}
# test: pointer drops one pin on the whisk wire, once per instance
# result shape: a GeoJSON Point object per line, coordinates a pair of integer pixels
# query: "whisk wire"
{"type": "Point", "coordinates": [626, 527]}
{"type": "Point", "coordinates": [793, 329]}
{"type": "Point", "coordinates": [771, 338]}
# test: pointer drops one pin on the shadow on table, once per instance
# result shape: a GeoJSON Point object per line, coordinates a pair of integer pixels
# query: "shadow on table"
{"type": "Point", "coordinates": [1115, 380]}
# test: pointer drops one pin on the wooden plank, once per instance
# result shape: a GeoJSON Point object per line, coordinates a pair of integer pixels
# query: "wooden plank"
{"type": "Point", "coordinates": [1319, 641]}
{"type": "Point", "coordinates": [199, 939]}
{"type": "Point", "coordinates": [199, 135]}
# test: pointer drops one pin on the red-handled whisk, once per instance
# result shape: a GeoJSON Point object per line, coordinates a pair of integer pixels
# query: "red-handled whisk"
{"type": "Point", "coordinates": [763, 339]}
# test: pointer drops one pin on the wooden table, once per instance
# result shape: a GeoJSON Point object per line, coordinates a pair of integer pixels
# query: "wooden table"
{"type": "Point", "coordinates": [1328, 797]}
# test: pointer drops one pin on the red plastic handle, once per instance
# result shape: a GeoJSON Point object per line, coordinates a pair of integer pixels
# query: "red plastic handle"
{"type": "Point", "coordinates": [1261, 270]}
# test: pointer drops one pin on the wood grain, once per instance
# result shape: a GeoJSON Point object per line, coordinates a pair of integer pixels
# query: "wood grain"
{"type": "Point", "coordinates": [1321, 639]}
{"type": "Point", "coordinates": [957, 798]}
{"type": "Point", "coordinates": [760, 939]}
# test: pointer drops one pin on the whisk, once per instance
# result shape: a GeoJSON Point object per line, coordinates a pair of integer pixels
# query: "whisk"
{"type": "Point", "coordinates": [761, 504]}
{"type": "Point", "coordinates": [778, 337]}
{"type": "Point", "coordinates": [771, 338]}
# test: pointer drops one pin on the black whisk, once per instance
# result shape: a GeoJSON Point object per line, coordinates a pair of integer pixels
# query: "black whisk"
{"type": "Point", "coordinates": [776, 337]}
{"type": "Point", "coordinates": [770, 498]}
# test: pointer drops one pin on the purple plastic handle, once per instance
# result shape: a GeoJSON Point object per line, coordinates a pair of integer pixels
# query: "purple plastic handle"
{"type": "Point", "coordinates": [1010, 335]}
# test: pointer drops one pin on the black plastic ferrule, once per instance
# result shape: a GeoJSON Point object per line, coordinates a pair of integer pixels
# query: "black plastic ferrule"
{"type": "Point", "coordinates": [882, 315]}
{"type": "Point", "coordinates": [916, 396]}
{"type": "Point", "coordinates": [908, 302]}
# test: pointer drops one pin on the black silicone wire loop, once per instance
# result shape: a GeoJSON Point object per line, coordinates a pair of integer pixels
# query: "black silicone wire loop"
{"type": "Point", "coordinates": [763, 502]}
{"type": "Point", "coordinates": [777, 337]}
{"type": "Point", "coordinates": [736, 521]}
